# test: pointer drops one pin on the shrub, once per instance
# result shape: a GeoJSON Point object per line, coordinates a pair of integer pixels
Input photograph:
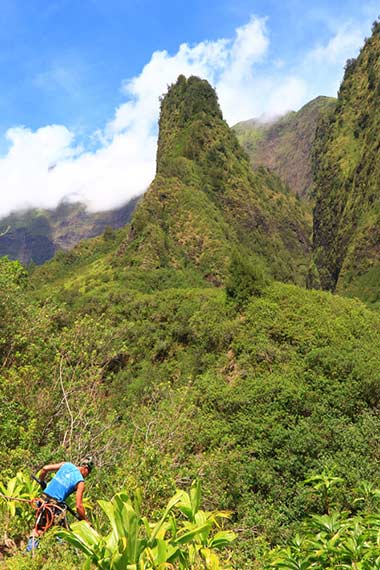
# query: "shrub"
{"type": "Point", "coordinates": [247, 278]}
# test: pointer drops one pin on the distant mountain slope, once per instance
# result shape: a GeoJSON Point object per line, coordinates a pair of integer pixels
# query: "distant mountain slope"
{"type": "Point", "coordinates": [347, 178]}
{"type": "Point", "coordinates": [35, 235]}
{"type": "Point", "coordinates": [284, 145]}
{"type": "Point", "coordinates": [206, 200]}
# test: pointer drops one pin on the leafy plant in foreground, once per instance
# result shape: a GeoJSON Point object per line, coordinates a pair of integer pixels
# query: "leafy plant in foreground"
{"type": "Point", "coordinates": [16, 516]}
{"type": "Point", "coordinates": [324, 484]}
{"type": "Point", "coordinates": [336, 540]}
{"type": "Point", "coordinates": [181, 540]}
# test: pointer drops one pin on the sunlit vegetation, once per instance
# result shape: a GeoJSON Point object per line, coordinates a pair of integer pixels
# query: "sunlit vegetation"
{"type": "Point", "coordinates": [171, 351]}
{"type": "Point", "coordinates": [346, 169]}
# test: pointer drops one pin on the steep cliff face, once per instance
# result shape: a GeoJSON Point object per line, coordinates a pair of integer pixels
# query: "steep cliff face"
{"type": "Point", "coordinates": [347, 179]}
{"type": "Point", "coordinates": [284, 146]}
{"type": "Point", "coordinates": [206, 200]}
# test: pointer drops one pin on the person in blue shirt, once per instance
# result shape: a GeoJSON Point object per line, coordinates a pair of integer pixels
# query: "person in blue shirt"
{"type": "Point", "coordinates": [68, 479]}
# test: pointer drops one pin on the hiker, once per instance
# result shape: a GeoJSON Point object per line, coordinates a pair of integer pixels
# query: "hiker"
{"type": "Point", "coordinates": [52, 509]}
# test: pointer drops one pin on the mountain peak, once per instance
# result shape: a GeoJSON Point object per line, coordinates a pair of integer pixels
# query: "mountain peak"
{"type": "Point", "coordinates": [206, 200]}
{"type": "Point", "coordinates": [187, 101]}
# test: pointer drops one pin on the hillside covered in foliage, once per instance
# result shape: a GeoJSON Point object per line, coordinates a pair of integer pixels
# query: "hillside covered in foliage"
{"type": "Point", "coordinates": [205, 200]}
{"type": "Point", "coordinates": [166, 386]}
{"type": "Point", "coordinates": [183, 347]}
{"type": "Point", "coordinates": [346, 164]}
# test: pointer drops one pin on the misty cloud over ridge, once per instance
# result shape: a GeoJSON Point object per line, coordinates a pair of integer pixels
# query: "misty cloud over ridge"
{"type": "Point", "coordinates": [44, 166]}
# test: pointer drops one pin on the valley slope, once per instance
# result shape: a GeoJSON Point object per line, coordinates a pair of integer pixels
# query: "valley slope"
{"type": "Point", "coordinates": [284, 145]}
{"type": "Point", "coordinates": [347, 182]}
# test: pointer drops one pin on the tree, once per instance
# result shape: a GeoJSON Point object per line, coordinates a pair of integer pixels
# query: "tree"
{"type": "Point", "coordinates": [247, 278]}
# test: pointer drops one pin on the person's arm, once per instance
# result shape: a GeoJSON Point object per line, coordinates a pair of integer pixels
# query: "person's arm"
{"type": "Point", "coordinates": [48, 468]}
{"type": "Point", "coordinates": [79, 501]}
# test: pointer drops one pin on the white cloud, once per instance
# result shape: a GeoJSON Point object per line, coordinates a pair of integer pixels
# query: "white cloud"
{"type": "Point", "coordinates": [323, 66]}
{"type": "Point", "coordinates": [46, 165]}
{"type": "Point", "coordinates": [290, 94]}
{"type": "Point", "coordinates": [59, 77]}
{"type": "Point", "coordinates": [343, 45]}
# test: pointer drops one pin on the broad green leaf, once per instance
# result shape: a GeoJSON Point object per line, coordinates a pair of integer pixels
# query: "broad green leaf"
{"type": "Point", "coordinates": [171, 504]}
{"type": "Point", "coordinates": [81, 535]}
{"type": "Point", "coordinates": [188, 536]}
{"type": "Point", "coordinates": [222, 538]}
{"type": "Point", "coordinates": [195, 496]}
{"type": "Point", "coordinates": [212, 561]}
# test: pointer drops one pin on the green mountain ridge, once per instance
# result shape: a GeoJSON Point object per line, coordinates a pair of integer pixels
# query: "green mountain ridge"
{"type": "Point", "coordinates": [346, 164]}
{"type": "Point", "coordinates": [35, 235]}
{"type": "Point", "coordinates": [206, 200]}
{"type": "Point", "coordinates": [284, 145]}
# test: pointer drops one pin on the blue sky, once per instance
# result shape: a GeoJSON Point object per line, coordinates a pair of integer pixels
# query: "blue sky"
{"type": "Point", "coordinates": [80, 81]}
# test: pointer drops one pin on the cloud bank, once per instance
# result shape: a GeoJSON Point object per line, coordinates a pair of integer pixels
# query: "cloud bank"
{"type": "Point", "coordinates": [43, 167]}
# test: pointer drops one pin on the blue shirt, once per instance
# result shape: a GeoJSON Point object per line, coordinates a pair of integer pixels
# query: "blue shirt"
{"type": "Point", "coordinates": [64, 482]}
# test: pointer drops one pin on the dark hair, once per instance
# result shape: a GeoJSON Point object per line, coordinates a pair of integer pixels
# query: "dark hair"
{"type": "Point", "coordinates": [88, 462]}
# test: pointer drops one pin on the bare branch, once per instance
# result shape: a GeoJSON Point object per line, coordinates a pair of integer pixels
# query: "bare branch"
{"type": "Point", "coordinates": [66, 402]}
{"type": "Point", "coordinates": [5, 232]}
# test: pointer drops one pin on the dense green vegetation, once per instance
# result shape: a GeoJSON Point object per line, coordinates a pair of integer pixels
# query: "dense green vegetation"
{"type": "Point", "coordinates": [346, 168]}
{"type": "Point", "coordinates": [168, 385]}
{"type": "Point", "coordinates": [167, 350]}
{"type": "Point", "coordinates": [185, 536]}
{"type": "Point", "coordinates": [206, 201]}
{"type": "Point", "coordinates": [339, 538]}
